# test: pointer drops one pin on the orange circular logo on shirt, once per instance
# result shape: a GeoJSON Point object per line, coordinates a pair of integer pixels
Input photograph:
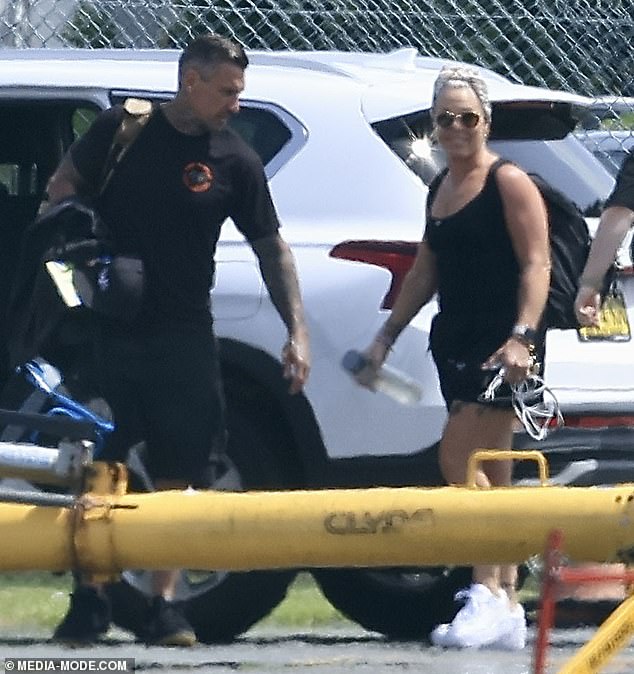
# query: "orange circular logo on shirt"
{"type": "Point", "coordinates": [198, 177]}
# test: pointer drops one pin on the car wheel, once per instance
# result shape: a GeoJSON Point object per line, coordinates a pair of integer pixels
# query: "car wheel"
{"type": "Point", "coordinates": [401, 603]}
{"type": "Point", "coordinates": [220, 604]}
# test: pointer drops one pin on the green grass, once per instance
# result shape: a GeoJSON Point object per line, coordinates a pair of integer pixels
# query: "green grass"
{"type": "Point", "coordinates": [32, 600]}
{"type": "Point", "coordinates": [38, 600]}
{"type": "Point", "coordinates": [305, 606]}
{"type": "Point", "coordinates": [624, 122]}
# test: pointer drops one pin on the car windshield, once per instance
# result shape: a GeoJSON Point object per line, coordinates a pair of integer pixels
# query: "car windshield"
{"type": "Point", "coordinates": [539, 143]}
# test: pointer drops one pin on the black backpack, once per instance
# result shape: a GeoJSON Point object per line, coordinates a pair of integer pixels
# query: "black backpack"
{"type": "Point", "coordinates": [570, 243]}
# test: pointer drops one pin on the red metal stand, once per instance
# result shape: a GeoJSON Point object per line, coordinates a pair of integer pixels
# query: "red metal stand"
{"type": "Point", "coordinates": [556, 575]}
{"type": "Point", "coordinates": [546, 616]}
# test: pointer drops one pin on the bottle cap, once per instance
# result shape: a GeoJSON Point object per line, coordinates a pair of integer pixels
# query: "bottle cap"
{"type": "Point", "coordinates": [353, 361]}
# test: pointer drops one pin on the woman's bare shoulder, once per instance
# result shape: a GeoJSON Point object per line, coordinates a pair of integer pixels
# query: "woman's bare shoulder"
{"type": "Point", "coordinates": [512, 178]}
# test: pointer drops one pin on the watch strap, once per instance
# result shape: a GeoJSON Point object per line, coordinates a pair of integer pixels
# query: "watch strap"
{"type": "Point", "coordinates": [525, 334]}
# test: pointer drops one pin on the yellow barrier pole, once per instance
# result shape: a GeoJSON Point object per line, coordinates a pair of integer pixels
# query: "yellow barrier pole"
{"type": "Point", "coordinates": [350, 527]}
{"type": "Point", "coordinates": [36, 538]}
{"type": "Point", "coordinates": [613, 635]}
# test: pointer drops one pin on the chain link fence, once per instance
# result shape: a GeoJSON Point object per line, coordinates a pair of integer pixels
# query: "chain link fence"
{"type": "Point", "coordinates": [576, 45]}
{"type": "Point", "coordinates": [579, 45]}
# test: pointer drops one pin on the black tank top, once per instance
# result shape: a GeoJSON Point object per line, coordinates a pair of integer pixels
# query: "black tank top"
{"type": "Point", "coordinates": [478, 273]}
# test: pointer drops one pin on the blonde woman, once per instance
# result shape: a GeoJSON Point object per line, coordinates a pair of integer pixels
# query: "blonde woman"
{"type": "Point", "coordinates": [485, 253]}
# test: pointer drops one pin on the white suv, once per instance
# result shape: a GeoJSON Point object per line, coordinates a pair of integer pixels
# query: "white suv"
{"type": "Point", "coordinates": [345, 138]}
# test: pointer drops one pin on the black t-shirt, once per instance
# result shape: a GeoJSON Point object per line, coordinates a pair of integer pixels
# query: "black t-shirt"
{"type": "Point", "coordinates": [167, 200]}
{"type": "Point", "coordinates": [623, 193]}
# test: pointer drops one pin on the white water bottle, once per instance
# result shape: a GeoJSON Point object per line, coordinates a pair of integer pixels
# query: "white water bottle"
{"type": "Point", "coordinates": [387, 379]}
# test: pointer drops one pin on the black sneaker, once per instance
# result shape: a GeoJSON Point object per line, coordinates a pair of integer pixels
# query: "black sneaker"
{"type": "Point", "coordinates": [167, 626]}
{"type": "Point", "coordinates": [87, 619]}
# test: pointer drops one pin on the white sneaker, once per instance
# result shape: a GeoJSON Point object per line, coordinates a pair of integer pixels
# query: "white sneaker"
{"type": "Point", "coordinates": [484, 620]}
{"type": "Point", "coordinates": [515, 638]}
{"type": "Point", "coordinates": [439, 635]}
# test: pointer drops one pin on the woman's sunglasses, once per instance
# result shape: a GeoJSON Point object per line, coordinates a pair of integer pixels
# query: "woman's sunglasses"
{"type": "Point", "coordinates": [468, 119]}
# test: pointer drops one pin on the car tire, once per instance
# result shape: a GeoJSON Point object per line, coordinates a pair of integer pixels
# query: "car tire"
{"type": "Point", "coordinates": [402, 604]}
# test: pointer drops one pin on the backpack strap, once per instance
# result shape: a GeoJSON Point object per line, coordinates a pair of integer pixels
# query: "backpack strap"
{"type": "Point", "coordinates": [137, 113]}
{"type": "Point", "coordinates": [433, 188]}
{"type": "Point", "coordinates": [500, 161]}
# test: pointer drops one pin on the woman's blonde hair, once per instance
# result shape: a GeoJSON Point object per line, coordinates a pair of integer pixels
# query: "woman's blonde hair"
{"type": "Point", "coordinates": [464, 76]}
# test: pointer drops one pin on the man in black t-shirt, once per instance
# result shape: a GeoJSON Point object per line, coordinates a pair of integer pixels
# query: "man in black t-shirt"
{"type": "Point", "coordinates": [616, 220]}
{"type": "Point", "coordinates": [183, 176]}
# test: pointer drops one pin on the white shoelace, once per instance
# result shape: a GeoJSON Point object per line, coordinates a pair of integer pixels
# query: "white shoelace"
{"type": "Point", "coordinates": [537, 416]}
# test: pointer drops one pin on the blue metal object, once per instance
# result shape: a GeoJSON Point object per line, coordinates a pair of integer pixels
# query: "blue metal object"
{"type": "Point", "coordinates": [46, 378]}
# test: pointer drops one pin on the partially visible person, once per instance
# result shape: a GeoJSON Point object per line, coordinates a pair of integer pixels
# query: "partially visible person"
{"type": "Point", "coordinates": [184, 175]}
{"type": "Point", "coordinates": [485, 252]}
{"type": "Point", "coordinates": [8, 257]}
{"type": "Point", "coordinates": [617, 218]}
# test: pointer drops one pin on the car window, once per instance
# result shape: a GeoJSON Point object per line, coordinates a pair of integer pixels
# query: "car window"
{"type": "Point", "coordinates": [536, 137]}
{"type": "Point", "coordinates": [262, 130]}
{"type": "Point", "coordinates": [567, 165]}
{"type": "Point", "coordinates": [410, 138]}
{"type": "Point", "coordinates": [33, 138]}
{"type": "Point", "coordinates": [81, 120]}
{"type": "Point", "coordinates": [17, 178]}
{"type": "Point", "coordinates": [34, 135]}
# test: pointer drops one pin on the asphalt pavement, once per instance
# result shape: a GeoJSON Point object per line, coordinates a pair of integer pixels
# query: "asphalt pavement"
{"type": "Point", "coordinates": [347, 651]}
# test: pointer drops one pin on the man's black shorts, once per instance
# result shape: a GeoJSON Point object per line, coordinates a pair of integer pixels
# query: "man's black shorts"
{"type": "Point", "coordinates": [165, 388]}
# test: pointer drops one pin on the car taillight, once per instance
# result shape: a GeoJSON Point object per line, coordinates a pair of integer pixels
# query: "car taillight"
{"type": "Point", "coordinates": [599, 421]}
{"type": "Point", "coordinates": [395, 256]}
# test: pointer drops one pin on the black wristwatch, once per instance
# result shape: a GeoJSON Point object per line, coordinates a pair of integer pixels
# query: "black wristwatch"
{"type": "Point", "coordinates": [526, 335]}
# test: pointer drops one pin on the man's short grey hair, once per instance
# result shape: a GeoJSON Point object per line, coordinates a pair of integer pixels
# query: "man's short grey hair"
{"type": "Point", "coordinates": [464, 76]}
{"type": "Point", "coordinates": [210, 50]}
